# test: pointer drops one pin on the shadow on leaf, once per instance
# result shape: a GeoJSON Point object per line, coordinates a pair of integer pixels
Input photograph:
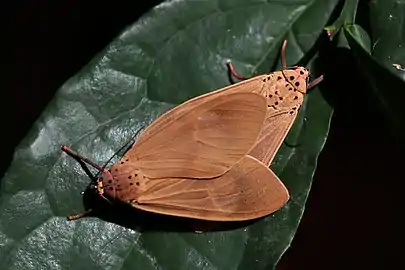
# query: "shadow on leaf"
{"type": "Point", "coordinates": [125, 215]}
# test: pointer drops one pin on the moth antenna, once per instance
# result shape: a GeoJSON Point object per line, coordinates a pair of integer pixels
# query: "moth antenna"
{"type": "Point", "coordinates": [72, 153]}
{"type": "Point", "coordinates": [102, 169]}
{"type": "Point", "coordinates": [122, 147]}
{"type": "Point", "coordinates": [80, 215]}
{"type": "Point", "coordinates": [116, 153]}
{"type": "Point", "coordinates": [292, 145]}
{"type": "Point", "coordinates": [105, 198]}
{"type": "Point", "coordinates": [291, 67]}
{"type": "Point", "coordinates": [132, 139]}
{"type": "Point", "coordinates": [233, 72]}
{"type": "Point", "coordinates": [283, 59]}
{"type": "Point", "coordinates": [315, 82]}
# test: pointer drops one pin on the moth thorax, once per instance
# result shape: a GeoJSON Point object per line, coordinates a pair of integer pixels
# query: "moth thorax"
{"type": "Point", "coordinates": [123, 186]}
{"type": "Point", "coordinates": [298, 78]}
{"type": "Point", "coordinates": [281, 95]}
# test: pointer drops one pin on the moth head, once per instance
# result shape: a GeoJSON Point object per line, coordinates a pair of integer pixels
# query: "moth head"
{"type": "Point", "coordinates": [105, 178]}
{"type": "Point", "coordinates": [298, 77]}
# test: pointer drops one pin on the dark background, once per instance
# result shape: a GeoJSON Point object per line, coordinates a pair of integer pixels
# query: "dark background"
{"type": "Point", "coordinates": [352, 218]}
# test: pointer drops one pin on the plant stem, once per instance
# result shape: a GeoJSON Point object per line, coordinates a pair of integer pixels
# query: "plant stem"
{"type": "Point", "coordinates": [347, 16]}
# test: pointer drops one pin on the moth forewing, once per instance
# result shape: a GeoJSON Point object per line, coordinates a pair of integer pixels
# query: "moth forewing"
{"type": "Point", "coordinates": [285, 94]}
{"type": "Point", "coordinates": [275, 129]}
{"type": "Point", "coordinates": [205, 142]}
{"type": "Point", "coordinates": [284, 91]}
{"type": "Point", "coordinates": [252, 85]}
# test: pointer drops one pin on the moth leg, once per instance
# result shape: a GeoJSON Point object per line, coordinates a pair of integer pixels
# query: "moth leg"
{"type": "Point", "coordinates": [233, 72]}
{"type": "Point", "coordinates": [315, 82]}
{"type": "Point", "coordinates": [284, 65]}
{"type": "Point", "coordinates": [99, 186]}
{"type": "Point", "coordinates": [80, 215]}
{"type": "Point", "coordinates": [283, 59]}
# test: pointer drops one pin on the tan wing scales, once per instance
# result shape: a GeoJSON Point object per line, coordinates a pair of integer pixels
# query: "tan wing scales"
{"type": "Point", "coordinates": [249, 190]}
{"type": "Point", "coordinates": [285, 94]}
{"type": "Point", "coordinates": [203, 143]}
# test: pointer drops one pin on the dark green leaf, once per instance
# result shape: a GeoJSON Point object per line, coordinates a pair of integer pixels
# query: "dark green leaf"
{"type": "Point", "coordinates": [387, 26]}
{"type": "Point", "coordinates": [383, 60]}
{"type": "Point", "coordinates": [347, 16]}
{"type": "Point", "coordinates": [177, 51]}
{"type": "Point", "coordinates": [360, 35]}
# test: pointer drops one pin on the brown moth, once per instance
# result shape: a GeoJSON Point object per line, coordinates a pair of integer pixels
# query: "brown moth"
{"type": "Point", "coordinates": [192, 162]}
{"type": "Point", "coordinates": [284, 91]}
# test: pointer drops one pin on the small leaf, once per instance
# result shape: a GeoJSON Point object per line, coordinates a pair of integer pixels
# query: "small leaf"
{"type": "Point", "coordinates": [379, 62]}
{"type": "Point", "coordinates": [360, 35]}
{"type": "Point", "coordinates": [176, 51]}
{"type": "Point", "coordinates": [387, 27]}
{"type": "Point", "coordinates": [347, 17]}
